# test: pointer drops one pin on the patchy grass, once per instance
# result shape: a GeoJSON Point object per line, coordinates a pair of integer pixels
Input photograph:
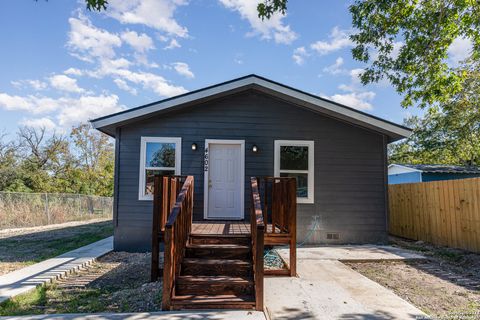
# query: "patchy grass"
{"type": "Point", "coordinates": [22, 250]}
{"type": "Point", "coordinates": [15, 306]}
{"type": "Point", "coordinates": [117, 282]}
{"type": "Point", "coordinates": [446, 285]}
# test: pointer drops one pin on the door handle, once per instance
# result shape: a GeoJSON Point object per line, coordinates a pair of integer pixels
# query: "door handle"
{"type": "Point", "coordinates": [209, 183]}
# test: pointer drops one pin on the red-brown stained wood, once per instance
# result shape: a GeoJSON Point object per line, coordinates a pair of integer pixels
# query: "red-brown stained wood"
{"type": "Point", "coordinates": [157, 208]}
{"type": "Point", "coordinates": [257, 231]}
{"type": "Point", "coordinates": [281, 195]}
{"type": "Point", "coordinates": [177, 232]}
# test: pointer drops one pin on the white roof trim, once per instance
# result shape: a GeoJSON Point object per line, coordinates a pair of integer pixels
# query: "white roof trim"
{"type": "Point", "coordinates": [403, 167]}
{"type": "Point", "coordinates": [242, 82]}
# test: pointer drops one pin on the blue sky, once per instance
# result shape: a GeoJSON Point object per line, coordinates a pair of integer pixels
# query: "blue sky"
{"type": "Point", "coordinates": [62, 64]}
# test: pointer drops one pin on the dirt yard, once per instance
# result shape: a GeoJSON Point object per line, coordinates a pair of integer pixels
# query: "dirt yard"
{"type": "Point", "coordinates": [446, 285]}
{"type": "Point", "coordinates": [22, 247]}
{"type": "Point", "coordinates": [117, 282]}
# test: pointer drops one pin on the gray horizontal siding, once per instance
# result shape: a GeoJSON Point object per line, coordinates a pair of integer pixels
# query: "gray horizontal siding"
{"type": "Point", "coordinates": [349, 165]}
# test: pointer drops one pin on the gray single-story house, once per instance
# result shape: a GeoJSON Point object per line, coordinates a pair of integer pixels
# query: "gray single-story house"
{"type": "Point", "coordinates": [251, 126]}
{"type": "Point", "coordinates": [412, 173]}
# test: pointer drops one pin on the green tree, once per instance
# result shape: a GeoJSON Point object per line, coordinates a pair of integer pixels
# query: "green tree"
{"type": "Point", "coordinates": [448, 133]}
{"type": "Point", "coordinates": [407, 42]}
{"type": "Point", "coordinates": [95, 154]}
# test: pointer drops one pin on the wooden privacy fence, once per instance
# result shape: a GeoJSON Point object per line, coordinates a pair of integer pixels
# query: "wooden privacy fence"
{"type": "Point", "coordinates": [444, 213]}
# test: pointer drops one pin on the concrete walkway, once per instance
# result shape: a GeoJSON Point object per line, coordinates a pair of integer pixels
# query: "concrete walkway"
{"type": "Point", "coordinates": [173, 315]}
{"type": "Point", "coordinates": [26, 279]}
{"type": "Point", "coordinates": [328, 289]}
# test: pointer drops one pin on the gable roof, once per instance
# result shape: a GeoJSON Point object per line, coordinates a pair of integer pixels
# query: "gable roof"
{"type": "Point", "coordinates": [393, 131]}
{"type": "Point", "coordinates": [442, 168]}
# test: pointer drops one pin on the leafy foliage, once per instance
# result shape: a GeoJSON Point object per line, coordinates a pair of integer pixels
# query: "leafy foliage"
{"type": "Point", "coordinates": [421, 32]}
{"type": "Point", "coordinates": [407, 42]}
{"type": "Point", "coordinates": [97, 5]}
{"type": "Point", "coordinates": [448, 133]}
{"type": "Point", "coordinates": [268, 7]}
{"type": "Point", "coordinates": [34, 162]}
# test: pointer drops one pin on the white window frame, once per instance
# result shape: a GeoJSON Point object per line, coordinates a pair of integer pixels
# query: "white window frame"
{"type": "Point", "coordinates": [143, 168]}
{"type": "Point", "coordinates": [309, 172]}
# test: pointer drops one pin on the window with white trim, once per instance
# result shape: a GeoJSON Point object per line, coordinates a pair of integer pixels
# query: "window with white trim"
{"type": "Point", "coordinates": [294, 158]}
{"type": "Point", "coordinates": [158, 156]}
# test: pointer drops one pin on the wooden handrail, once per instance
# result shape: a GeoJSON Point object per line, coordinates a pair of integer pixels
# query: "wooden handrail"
{"type": "Point", "coordinates": [165, 192]}
{"type": "Point", "coordinates": [177, 232]}
{"type": "Point", "coordinates": [257, 230]}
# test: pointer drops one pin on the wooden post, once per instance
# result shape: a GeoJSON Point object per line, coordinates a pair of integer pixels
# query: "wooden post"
{"type": "Point", "coordinates": [168, 269]}
{"type": "Point", "coordinates": [259, 266]}
{"type": "Point", "coordinates": [157, 209]}
{"type": "Point", "coordinates": [292, 227]}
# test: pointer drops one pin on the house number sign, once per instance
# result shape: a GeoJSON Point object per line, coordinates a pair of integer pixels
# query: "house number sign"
{"type": "Point", "coordinates": [205, 160]}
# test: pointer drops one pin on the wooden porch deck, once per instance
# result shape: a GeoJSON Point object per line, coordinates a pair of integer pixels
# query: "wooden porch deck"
{"type": "Point", "coordinates": [221, 227]}
{"type": "Point", "coordinates": [225, 227]}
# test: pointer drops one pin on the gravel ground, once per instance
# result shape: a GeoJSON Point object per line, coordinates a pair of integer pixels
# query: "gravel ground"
{"type": "Point", "coordinates": [446, 285]}
{"type": "Point", "coordinates": [116, 282]}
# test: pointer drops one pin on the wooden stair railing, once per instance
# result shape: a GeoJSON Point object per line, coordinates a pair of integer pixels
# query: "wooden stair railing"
{"type": "Point", "coordinates": [177, 232]}
{"type": "Point", "coordinates": [280, 217]}
{"type": "Point", "coordinates": [257, 230]}
{"type": "Point", "coordinates": [165, 192]}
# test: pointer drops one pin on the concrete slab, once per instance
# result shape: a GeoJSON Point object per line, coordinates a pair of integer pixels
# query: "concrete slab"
{"type": "Point", "coordinates": [328, 289]}
{"type": "Point", "coordinates": [352, 253]}
{"type": "Point", "coordinates": [187, 315]}
{"type": "Point", "coordinates": [26, 279]}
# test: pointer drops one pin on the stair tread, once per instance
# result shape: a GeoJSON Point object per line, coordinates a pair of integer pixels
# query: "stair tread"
{"type": "Point", "coordinates": [217, 246]}
{"type": "Point", "coordinates": [213, 299]}
{"type": "Point", "coordinates": [204, 279]}
{"type": "Point", "coordinates": [210, 235]}
{"type": "Point", "coordinates": [216, 261]}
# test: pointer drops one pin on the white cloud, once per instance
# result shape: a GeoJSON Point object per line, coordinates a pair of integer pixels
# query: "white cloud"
{"type": "Point", "coordinates": [139, 42]}
{"type": "Point", "coordinates": [273, 28]}
{"type": "Point", "coordinates": [172, 45]}
{"type": "Point", "coordinates": [460, 49]}
{"type": "Point", "coordinates": [354, 94]}
{"type": "Point", "coordinates": [183, 69]}
{"type": "Point", "coordinates": [339, 39]}
{"type": "Point", "coordinates": [355, 75]}
{"type": "Point", "coordinates": [34, 84]}
{"type": "Point", "coordinates": [39, 123]}
{"type": "Point", "coordinates": [356, 100]}
{"type": "Point", "coordinates": [32, 104]}
{"type": "Point", "coordinates": [73, 72]}
{"type": "Point", "coordinates": [68, 111]}
{"type": "Point", "coordinates": [124, 86]}
{"type": "Point", "coordinates": [336, 67]}
{"type": "Point", "coordinates": [87, 41]}
{"type": "Point", "coordinates": [118, 68]}
{"type": "Point", "coordinates": [64, 83]}
{"type": "Point", "coordinates": [157, 14]}
{"type": "Point", "coordinates": [9, 102]}
{"type": "Point", "coordinates": [86, 108]}
{"type": "Point", "coordinates": [299, 55]}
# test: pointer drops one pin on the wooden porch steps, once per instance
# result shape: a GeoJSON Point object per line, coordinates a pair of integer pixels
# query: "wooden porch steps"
{"type": "Point", "coordinates": [216, 273]}
{"type": "Point", "coordinates": [214, 302]}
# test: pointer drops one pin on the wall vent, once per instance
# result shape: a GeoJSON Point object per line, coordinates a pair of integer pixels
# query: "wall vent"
{"type": "Point", "coordinates": [333, 236]}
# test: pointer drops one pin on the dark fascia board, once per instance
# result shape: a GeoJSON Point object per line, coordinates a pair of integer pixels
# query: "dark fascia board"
{"type": "Point", "coordinates": [107, 124]}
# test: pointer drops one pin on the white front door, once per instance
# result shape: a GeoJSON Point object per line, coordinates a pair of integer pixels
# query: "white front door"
{"type": "Point", "coordinates": [224, 186]}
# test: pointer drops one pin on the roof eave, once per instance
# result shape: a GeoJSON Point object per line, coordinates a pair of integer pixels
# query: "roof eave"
{"type": "Point", "coordinates": [394, 132]}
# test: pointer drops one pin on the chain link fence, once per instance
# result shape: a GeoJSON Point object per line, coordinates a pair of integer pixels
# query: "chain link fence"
{"type": "Point", "coordinates": [18, 210]}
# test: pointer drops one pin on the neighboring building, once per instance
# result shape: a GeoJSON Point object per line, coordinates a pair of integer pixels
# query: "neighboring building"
{"type": "Point", "coordinates": [411, 173]}
{"type": "Point", "coordinates": [251, 126]}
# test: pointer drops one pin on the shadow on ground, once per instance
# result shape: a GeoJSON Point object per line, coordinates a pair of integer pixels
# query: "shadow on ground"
{"type": "Point", "coordinates": [40, 245]}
